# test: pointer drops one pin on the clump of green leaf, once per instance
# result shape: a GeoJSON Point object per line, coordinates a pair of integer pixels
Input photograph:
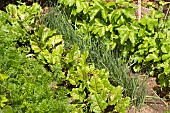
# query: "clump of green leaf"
{"type": "Point", "coordinates": [33, 88]}
{"type": "Point", "coordinates": [57, 19]}
{"type": "Point", "coordinates": [28, 86]}
{"type": "Point", "coordinates": [92, 91]}
{"type": "Point", "coordinates": [145, 41]}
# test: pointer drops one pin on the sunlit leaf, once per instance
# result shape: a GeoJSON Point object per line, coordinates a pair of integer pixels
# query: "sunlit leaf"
{"type": "Point", "coordinates": [151, 57]}
{"type": "Point", "coordinates": [35, 47]}
{"type": "Point", "coordinates": [3, 76]}
{"type": "Point", "coordinates": [132, 37]}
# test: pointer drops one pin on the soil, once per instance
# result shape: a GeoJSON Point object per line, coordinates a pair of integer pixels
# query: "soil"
{"type": "Point", "coordinates": [153, 103]}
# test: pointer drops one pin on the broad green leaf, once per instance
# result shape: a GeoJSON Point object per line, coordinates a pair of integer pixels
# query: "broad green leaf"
{"type": "Point", "coordinates": [113, 36]}
{"type": "Point", "coordinates": [97, 103]}
{"type": "Point", "coordinates": [141, 32]}
{"type": "Point", "coordinates": [102, 7]}
{"type": "Point", "coordinates": [82, 74]}
{"type": "Point", "coordinates": [152, 14]}
{"type": "Point", "coordinates": [48, 57]}
{"type": "Point", "coordinates": [83, 58]}
{"type": "Point", "coordinates": [78, 108]}
{"type": "Point", "coordinates": [96, 30]}
{"type": "Point", "coordinates": [141, 51]}
{"type": "Point", "coordinates": [132, 37]}
{"type": "Point", "coordinates": [140, 59]}
{"type": "Point", "coordinates": [104, 14]}
{"type": "Point", "coordinates": [73, 12]}
{"type": "Point", "coordinates": [73, 55]}
{"type": "Point", "coordinates": [93, 12]}
{"type": "Point", "coordinates": [71, 77]}
{"type": "Point", "coordinates": [120, 1]}
{"type": "Point", "coordinates": [57, 54]}
{"type": "Point", "coordinates": [115, 94]}
{"type": "Point", "coordinates": [152, 56]}
{"type": "Point", "coordinates": [129, 13]}
{"type": "Point", "coordinates": [58, 50]}
{"type": "Point", "coordinates": [136, 68]}
{"type": "Point", "coordinates": [113, 45]}
{"type": "Point", "coordinates": [165, 56]}
{"type": "Point", "coordinates": [163, 49]}
{"type": "Point", "coordinates": [159, 14]}
{"type": "Point", "coordinates": [85, 7]}
{"type": "Point", "coordinates": [99, 28]}
{"type": "Point", "coordinates": [61, 1]}
{"type": "Point", "coordinates": [3, 76]}
{"type": "Point", "coordinates": [103, 74]}
{"type": "Point", "coordinates": [3, 99]}
{"type": "Point", "coordinates": [12, 10]}
{"type": "Point", "coordinates": [110, 28]}
{"type": "Point", "coordinates": [117, 16]}
{"type": "Point", "coordinates": [135, 25]}
{"type": "Point", "coordinates": [112, 15]}
{"type": "Point", "coordinates": [99, 22]}
{"type": "Point", "coordinates": [168, 23]}
{"type": "Point", "coordinates": [125, 53]}
{"type": "Point", "coordinates": [22, 8]}
{"type": "Point", "coordinates": [21, 12]}
{"type": "Point", "coordinates": [102, 31]}
{"type": "Point", "coordinates": [122, 105]}
{"type": "Point", "coordinates": [4, 17]}
{"type": "Point", "coordinates": [162, 80]}
{"type": "Point", "coordinates": [47, 33]}
{"type": "Point", "coordinates": [151, 23]}
{"type": "Point", "coordinates": [71, 2]}
{"type": "Point", "coordinates": [110, 4]}
{"type": "Point", "coordinates": [124, 36]}
{"type": "Point", "coordinates": [34, 8]}
{"type": "Point", "coordinates": [152, 49]}
{"type": "Point", "coordinates": [121, 20]}
{"type": "Point", "coordinates": [168, 34]}
{"type": "Point", "coordinates": [123, 28]}
{"type": "Point", "coordinates": [124, 33]}
{"type": "Point", "coordinates": [39, 31]}
{"type": "Point", "coordinates": [151, 73]}
{"type": "Point", "coordinates": [35, 47]}
{"type": "Point", "coordinates": [54, 40]}
{"type": "Point", "coordinates": [79, 6]}
{"type": "Point", "coordinates": [144, 20]}
{"type": "Point", "coordinates": [77, 95]}
{"type": "Point", "coordinates": [95, 85]}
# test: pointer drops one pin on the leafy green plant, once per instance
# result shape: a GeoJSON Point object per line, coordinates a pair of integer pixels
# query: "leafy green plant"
{"type": "Point", "coordinates": [146, 42]}
{"type": "Point", "coordinates": [33, 88]}
{"type": "Point", "coordinates": [132, 87]}
{"type": "Point", "coordinates": [28, 88]}
{"type": "Point", "coordinates": [92, 87]}
{"type": "Point", "coordinates": [21, 20]}
{"type": "Point", "coordinates": [113, 19]}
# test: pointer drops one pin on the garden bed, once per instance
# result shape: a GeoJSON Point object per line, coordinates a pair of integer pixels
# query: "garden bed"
{"type": "Point", "coordinates": [86, 56]}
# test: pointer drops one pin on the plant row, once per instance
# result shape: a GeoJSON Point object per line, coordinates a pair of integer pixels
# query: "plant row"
{"type": "Point", "coordinates": [145, 43]}
{"type": "Point", "coordinates": [38, 74]}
